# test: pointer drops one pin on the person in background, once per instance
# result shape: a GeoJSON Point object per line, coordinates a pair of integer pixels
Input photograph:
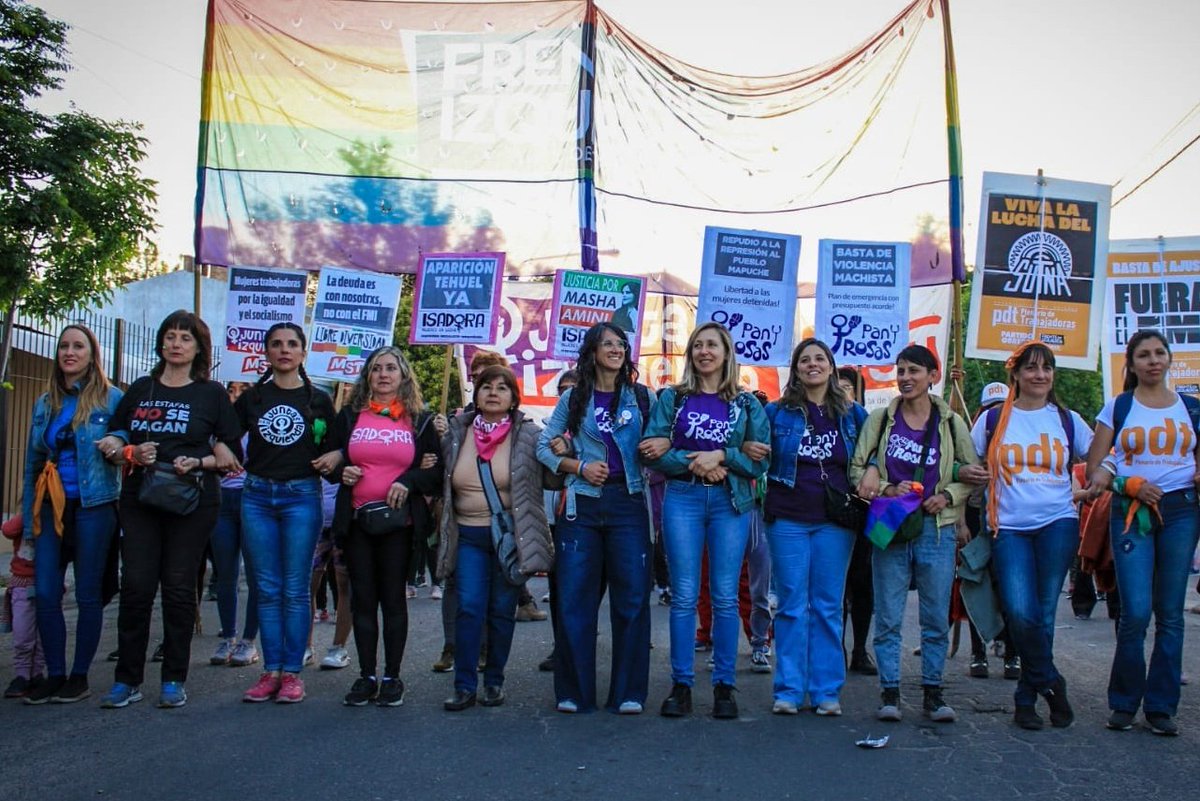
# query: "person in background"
{"type": "Point", "coordinates": [860, 596]}
{"type": "Point", "coordinates": [886, 461]}
{"type": "Point", "coordinates": [29, 661]}
{"type": "Point", "coordinates": [490, 458]}
{"type": "Point", "coordinates": [695, 438]}
{"type": "Point", "coordinates": [178, 419]}
{"type": "Point", "coordinates": [1154, 525]}
{"type": "Point", "coordinates": [69, 508]}
{"type": "Point", "coordinates": [554, 500]}
{"type": "Point", "coordinates": [329, 556]}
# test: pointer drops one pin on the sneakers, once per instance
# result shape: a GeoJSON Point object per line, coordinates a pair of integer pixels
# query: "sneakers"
{"type": "Point", "coordinates": [1161, 723]}
{"type": "Point", "coordinates": [1061, 714]}
{"type": "Point", "coordinates": [244, 654]}
{"type": "Point", "coordinates": [391, 693]}
{"type": "Point", "coordinates": [630, 708]}
{"type": "Point", "coordinates": [785, 707]}
{"type": "Point", "coordinates": [863, 664]}
{"type": "Point", "coordinates": [547, 664]}
{"type": "Point", "coordinates": [45, 691]}
{"type": "Point", "coordinates": [172, 696]}
{"type": "Point", "coordinates": [1120, 721]}
{"type": "Point", "coordinates": [362, 692]}
{"type": "Point", "coordinates": [291, 689]}
{"type": "Point", "coordinates": [21, 687]}
{"type": "Point", "coordinates": [724, 707]}
{"type": "Point", "coordinates": [309, 658]}
{"type": "Point", "coordinates": [336, 658]}
{"type": "Point", "coordinates": [936, 708]}
{"type": "Point", "coordinates": [121, 695]}
{"type": "Point", "coordinates": [979, 667]}
{"type": "Point", "coordinates": [703, 644]}
{"type": "Point", "coordinates": [410, 591]}
{"type": "Point", "coordinates": [1012, 668]}
{"type": "Point", "coordinates": [664, 597]}
{"type": "Point", "coordinates": [546, 597]}
{"type": "Point", "coordinates": [678, 703]}
{"type": "Point", "coordinates": [459, 701]}
{"type": "Point", "coordinates": [436, 593]}
{"type": "Point", "coordinates": [492, 696]}
{"type": "Point", "coordinates": [1027, 718]}
{"type": "Point", "coordinates": [759, 663]}
{"type": "Point", "coordinates": [263, 690]}
{"type": "Point", "coordinates": [224, 652]}
{"type": "Point", "coordinates": [75, 689]}
{"type": "Point", "coordinates": [567, 706]}
{"type": "Point", "coordinates": [829, 708]}
{"type": "Point", "coordinates": [889, 705]}
{"type": "Point", "coordinates": [321, 616]}
{"type": "Point", "coordinates": [445, 662]}
{"type": "Point", "coordinates": [529, 613]}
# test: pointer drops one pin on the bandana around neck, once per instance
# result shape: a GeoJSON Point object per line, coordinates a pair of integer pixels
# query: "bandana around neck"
{"type": "Point", "coordinates": [488, 436]}
{"type": "Point", "coordinates": [393, 410]}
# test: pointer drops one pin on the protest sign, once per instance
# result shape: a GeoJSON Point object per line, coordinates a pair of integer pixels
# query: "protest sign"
{"type": "Point", "coordinates": [354, 315]}
{"type": "Point", "coordinates": [748, 284]}
{"type": "Point", "coordinates": [457, 298]}
{"type": "Point", "coordinates": [862, 300]}
{"type": "Point", "coordinates": [257, 299]}
{"type": "Point", "coordinates": [582, 299]}
{"type": "Point", "coordinates": [1153, 283]}
{"type": "Point", "coordinates": [1042, 244]}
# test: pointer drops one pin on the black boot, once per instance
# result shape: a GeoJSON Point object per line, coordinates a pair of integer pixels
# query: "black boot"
{"type": "Point", "coordinates": [1027, 717]}
{"type": "Point", "coordinates": [678, 703]}
{"type": "Point", "coordinates": [1061, 714]}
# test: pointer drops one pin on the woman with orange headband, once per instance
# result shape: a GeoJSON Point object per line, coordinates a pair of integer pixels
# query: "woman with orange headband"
{"type": "Point", "coordinates": [1151, 430]}
{"type": "Point", "coordinates": [1029, 443]}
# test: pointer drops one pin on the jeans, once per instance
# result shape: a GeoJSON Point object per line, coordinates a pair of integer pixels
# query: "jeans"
{"type": "Point", "coordinates": [607, 542]}
{"type": "Point", "coordinates": [484, 599]}
{"type": "Point", "coordinates": [377, 566]}
{"type": "Point", "coordinates": [809, 562]}
{"type": "Point", "coordinates": [1030, 568]}
{"type": "Point", "coordinates": [280, 524]}
{"type": "Point", "coordinates": [227, 555]}
{"type": "Point", "coordinates": [696, 517]}
{"type": "Point", "coordinates": [929, 560]}
{"type": "Point", "coordinates": [87, 536]}
{"type": "Point", "coordinates": [1152, 575]}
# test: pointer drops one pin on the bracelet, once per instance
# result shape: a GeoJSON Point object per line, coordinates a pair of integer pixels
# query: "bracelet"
{"type": "Point", "coordinates": [949, 498]}
{"type": "Point", "coordinates": [579, 470]}
{"type": "Point", "coordinates": [127, 453]}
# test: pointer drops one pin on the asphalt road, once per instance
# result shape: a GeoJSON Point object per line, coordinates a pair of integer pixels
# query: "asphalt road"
{"type": "Point", "coordinates": [220, 748]}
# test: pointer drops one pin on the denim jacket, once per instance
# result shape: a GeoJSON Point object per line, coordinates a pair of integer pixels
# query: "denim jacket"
{"type": "Point", "coordinates": [589, 444]}
{"type": "Point", "coordinates": [751, 427]}
{"type": "Point", "coordinates": [787, 429]}
{"type": "Point", "coordinates": [99, 481]}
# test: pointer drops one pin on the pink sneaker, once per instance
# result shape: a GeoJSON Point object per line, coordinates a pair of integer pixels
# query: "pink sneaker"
{"type": "Point", "coordinates": [291, 690]}
{"type": "Point", "coordinates": [264, 690]}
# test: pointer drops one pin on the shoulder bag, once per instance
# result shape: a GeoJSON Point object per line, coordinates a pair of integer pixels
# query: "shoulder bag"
{"type": "Point", "coordinates": [504, 538]}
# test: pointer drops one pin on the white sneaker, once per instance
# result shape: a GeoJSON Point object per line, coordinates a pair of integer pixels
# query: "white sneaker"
{"type": "Point", "coordinates": [308, 656]}
{"type": "Point", "coordinates": [567, 706]}
{"type": "Point", "coordinates": [784, 707]}
{"type": "Point", "coordinates": [829, 708]}
{"type": "Point", "coordinates": [629, 708]}
{"type": "Point", "coordinates": [411, 591]}
{"type": "Point", "coordinates": [336, 659]}
{"type": "Point", "coordinates": [244, 653]}
{"type": "Point", "coordinates": [436, 593]}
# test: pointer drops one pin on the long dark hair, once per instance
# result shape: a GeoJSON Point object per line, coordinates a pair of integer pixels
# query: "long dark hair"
{"type": "Point", "coordinates": [1038, 353]}
{"type": "Point", "coordinates": [581, 394]}
{"type": "Point", "coordinates": [256, 390]}
{"type": "Point", "coordinates": [183, 320]}
{"type": "Point", "coordinates": [794, 393]}
{"type": "Point", "coordinates": [1131, 379]}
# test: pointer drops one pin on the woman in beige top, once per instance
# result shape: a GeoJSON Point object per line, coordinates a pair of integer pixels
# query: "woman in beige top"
{"type": "Point", "coordinates": [495, 438]}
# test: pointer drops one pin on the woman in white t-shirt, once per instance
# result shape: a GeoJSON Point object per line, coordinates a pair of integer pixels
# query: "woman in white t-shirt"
{"type": "Point", "coordinates": [1150, 430]}
{"type": "Point", "coordinates": [1029, 443]}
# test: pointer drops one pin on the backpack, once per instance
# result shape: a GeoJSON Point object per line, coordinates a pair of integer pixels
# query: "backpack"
{"type": "Point", "coordinates": [1064, 417]}
{"type": "Point", "coordinates": [1124, 403]}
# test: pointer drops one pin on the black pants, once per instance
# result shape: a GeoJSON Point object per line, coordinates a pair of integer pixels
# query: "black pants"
{"type": "Point", "coordinates": [159, 548]}
{"type": "Point", "coordinates": [860, 593]}
{"type": "Point", "coordinates": [378, 570]}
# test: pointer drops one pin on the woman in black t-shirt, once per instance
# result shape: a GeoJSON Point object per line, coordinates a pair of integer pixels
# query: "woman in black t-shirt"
{"type": "Point", "coordinates": [289, 422]}
{"type": "Point", "coordinates": [176, 420]}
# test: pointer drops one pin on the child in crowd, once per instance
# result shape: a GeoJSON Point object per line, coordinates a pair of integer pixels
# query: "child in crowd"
{"type": "Point", "coordinates": [28, 660]}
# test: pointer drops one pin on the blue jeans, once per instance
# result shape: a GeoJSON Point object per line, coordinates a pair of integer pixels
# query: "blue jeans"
{"type": "Point", "coordinates": [91, 531]}
{"type": "Point", "coordinates": [929, 560]}
{"type": "Point", "coordinates": [280, 524]}
{"type": "Point", "coordinates": [696, 517]}
{"type": "Point", "coordinates": [607, 542]}
{"type": "Point", "coordinates": [1030, 568]}
{"type": "Point", "coordinates": [227, 554]}
{"type": "Point", "coordinates": [484, 599]}
{"type": "Point", "coordinates": [1152, 575]}
{"type": "Point", "coordinates": [809, 562]}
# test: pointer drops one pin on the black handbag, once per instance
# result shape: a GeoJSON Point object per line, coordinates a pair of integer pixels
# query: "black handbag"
{"type": "Point", "coordinates": [844, 509]}
{"type": "Point", "coordinates": [168, 491]}
{"type": "Point", "coordinates": [376, 518]}
{"type": "Point", "coordinates": [914, 524]}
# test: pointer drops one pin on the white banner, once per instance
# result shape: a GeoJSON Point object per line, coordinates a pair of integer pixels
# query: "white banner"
{"type": "Point", "coordinates": [258, 298]}
{"type": "Point", "coordinates": [354, 315]}
{"type": "Point", "coordinates": [862, 300]}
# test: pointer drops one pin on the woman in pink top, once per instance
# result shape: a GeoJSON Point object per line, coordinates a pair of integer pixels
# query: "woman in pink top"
{"type": "Point", "coordinates": [383, 434]}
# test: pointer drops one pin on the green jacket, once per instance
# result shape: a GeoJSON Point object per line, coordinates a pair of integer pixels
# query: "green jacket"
{"type": "Point", "coordinates": [951, 428]}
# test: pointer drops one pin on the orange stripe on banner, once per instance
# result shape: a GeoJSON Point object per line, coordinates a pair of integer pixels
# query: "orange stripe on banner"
{"type": "Point", "coordinates": [583, 315]}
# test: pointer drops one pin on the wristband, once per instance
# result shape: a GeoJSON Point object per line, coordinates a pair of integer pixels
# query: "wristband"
{"type": "Point", "coordinates": [954, 472]}
{"type": "Point", "coordinates": [949, 498]}
{"type": "Point", "coordinates": [579, 470]}
{"type": "Point", "coordinates": [127, 453]}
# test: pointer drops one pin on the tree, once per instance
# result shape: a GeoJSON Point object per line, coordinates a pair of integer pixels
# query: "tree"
{"type": "Point", "coordinates": [73, 206]}
{"type": "Point", "coordinates": [428, 361]}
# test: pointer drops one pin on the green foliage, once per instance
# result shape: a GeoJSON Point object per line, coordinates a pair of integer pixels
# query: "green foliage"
{"type": "Point", "coordinates": [73, 205]}
{"type": "Point", "coordinates": [428, 361]}
{"type": "Point", "coordinates": [1080, 390]}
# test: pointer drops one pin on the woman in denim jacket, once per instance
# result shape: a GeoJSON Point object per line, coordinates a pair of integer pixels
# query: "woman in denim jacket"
{"type": "Point", "coordinates": [814, 428]}
{"type": "Point", "coordinates": [69, 507]}
{"type": "Point", "coordinates": [695, 438]}
{"type": "Point", "coordinates": [603, 536]}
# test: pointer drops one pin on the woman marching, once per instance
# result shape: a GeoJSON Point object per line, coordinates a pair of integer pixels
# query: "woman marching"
{"type": "Point", "coordinates": [1029, 443]}
{"type": "Point", "coordinates": [70, 509]}
{"type": "Point", "coordinates": [493, 505]}
{"type": "Point", "coordinates": [603, 536]}
{"type": "Point", "coordinates": [1151, 430]}
{"type": "Point", "coordinates": [181, 431]}
{"type": "Point", "coordinates": [383, 435]}
{"type": "Point", "coordinates": [814, 428]}
{"type": "Point", "coordinates": [912, 446]}
{"type": "Point", "coordinates": [289, 422]}
{"type": "Point", "coordinates": [695, 438]}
